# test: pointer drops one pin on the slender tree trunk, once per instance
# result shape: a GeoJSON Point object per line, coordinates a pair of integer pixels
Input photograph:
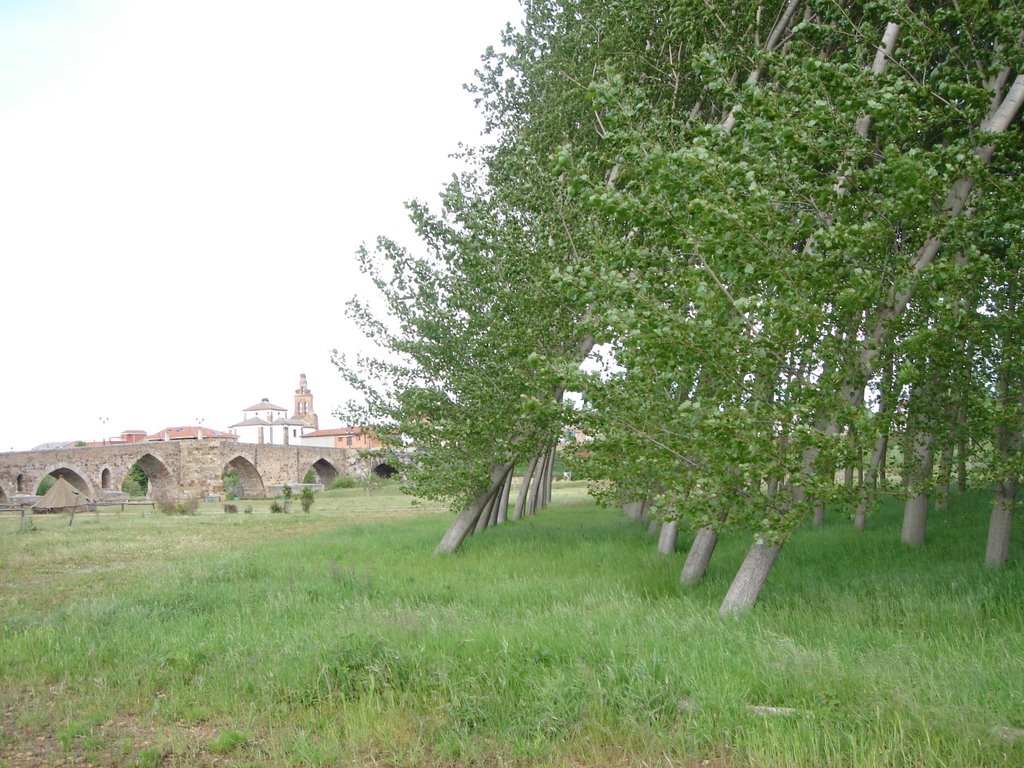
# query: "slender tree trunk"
{"type": "Point", "coordinates": [503, 504]}
{"type": "Point", "coordinates": [524, 489]}
{"type": "Point", "coordinates": [488, 512]}
{"type": "Point", "coordinates": [536, 489]}
{"type": "Point", "coordinates": [998, 547]}
{"type": "Point", "coordinates": [467, 519]}
{"type": "Point", "coordinates": [870, 487]}
{"type": "Point", "coordinates": [697, 560]}
{"type": "Point", "coordinates": [961, 465]}
{"type": "Point", "coordinates": [668, 537]}
{"type": "Point", "coordinates": [751, 577]}
{"type": "Point", "coordinates": [915, 511]}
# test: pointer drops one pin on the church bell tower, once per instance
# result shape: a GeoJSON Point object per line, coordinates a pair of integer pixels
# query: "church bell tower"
{"type": "Point", "coordinates": [304, 404]}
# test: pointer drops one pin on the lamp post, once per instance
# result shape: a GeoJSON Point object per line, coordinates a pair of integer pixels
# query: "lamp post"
{"type": "Point", "coordinates": [103, 428]}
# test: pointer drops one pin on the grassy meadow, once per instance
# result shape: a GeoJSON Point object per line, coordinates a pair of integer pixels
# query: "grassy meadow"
{"type": "Point", "coordinates": [337, 639]}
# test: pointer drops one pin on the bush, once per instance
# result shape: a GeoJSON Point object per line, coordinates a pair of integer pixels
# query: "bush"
{"type": "Point", "coordinates": [342, 482]}
{"type": "Point", "coordinates": [248, 509]}
{"type": "Point", "coordinates": [186, 507]}
{"type": "Point", "coordinates": [306, 499]}
{"type": "Point", "coordinates": [277, 507]}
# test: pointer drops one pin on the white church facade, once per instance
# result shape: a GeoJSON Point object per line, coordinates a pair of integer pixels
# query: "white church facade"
{"type": "Point", "coordinates": [266, 423]}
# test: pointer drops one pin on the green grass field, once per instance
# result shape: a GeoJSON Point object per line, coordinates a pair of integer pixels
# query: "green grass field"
{"type": "Point", "coordinates": [336, 638]}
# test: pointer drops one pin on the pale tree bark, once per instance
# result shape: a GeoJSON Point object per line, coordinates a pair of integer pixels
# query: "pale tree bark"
{"type": "Point", "coordinates": [668, 537]}
{"type": "Point", "coordinates": [524, 489]}
{"type": "Point", "coordinates": [467, 519]}
{"type": "Point", "coordinates": [701, 549]}
{"type": "Point", "coordinates": [772, 43]}
{"type": "Point", "coordinates": [751, 577]}
{"type": "Point", "coordinates": [502, 516]}
{"type": "Point", "coordinates": [997, 549]}
{"type": "Point", "coordinates": [536, 491]}
{"type": "Point", "coordinates": [915, 510]}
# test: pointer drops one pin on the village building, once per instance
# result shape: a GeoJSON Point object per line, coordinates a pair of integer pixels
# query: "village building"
{"type": "Point", "coordinates": [343, 437]}
{"type": "Point", "coordinates": [266, 423]}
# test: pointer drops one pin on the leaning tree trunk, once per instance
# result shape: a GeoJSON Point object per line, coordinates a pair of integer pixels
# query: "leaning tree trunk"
{"type": "Point", "coordinates": [697, 560]}
{"type": "Point", "coordinates": [751, 577]}
{"type": "Point", "coordinates": [502, 516]}
{"type": "Point", "coordinates": [467, 519]}
{"type": "Point", "coordinates": [524, 489]}
{"type": "Point", "coordinates": [668, 537]}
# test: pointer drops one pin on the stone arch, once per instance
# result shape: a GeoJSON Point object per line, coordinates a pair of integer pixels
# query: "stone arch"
{"type": "Point", "coordinates": [23, 484]}
{"type": "Point", "coordinates": [384, 470]}
{"type": "Point", "coordinates": [72, 475]}
{"type": "Point", "coordinates": [248, 477]}
{"type": "Point", "coordinates": [325, 472]}
{"type": "Point", "coordinates": [105, 479]}
{"type": "Point", "coordinates": [161, 485]}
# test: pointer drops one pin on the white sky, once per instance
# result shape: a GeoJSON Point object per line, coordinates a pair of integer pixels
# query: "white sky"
{"type": "Point", "coordinates": [183, 185]}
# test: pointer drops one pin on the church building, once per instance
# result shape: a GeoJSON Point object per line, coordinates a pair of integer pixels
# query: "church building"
{"type": "Point", "coordinates": [266, 423]}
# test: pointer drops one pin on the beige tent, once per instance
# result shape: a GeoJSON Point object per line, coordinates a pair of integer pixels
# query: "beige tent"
{"type": "Point", "coordinates": [63, 497]}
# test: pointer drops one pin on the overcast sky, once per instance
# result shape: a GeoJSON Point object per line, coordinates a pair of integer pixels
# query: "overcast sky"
{"type": "Point", "coordinates": [183, 185]}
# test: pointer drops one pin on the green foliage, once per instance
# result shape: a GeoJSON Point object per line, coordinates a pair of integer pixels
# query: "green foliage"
{"type": "Point", "coordinates": [45, 484]}
{"type": "Point", "coordinates": [136, 482]}
{"type": "Point", "coordinates": [227, 741]}
{"type": "Point", "coordinates": [342, 481]}
{"type": "Point", "coordinates": [310, 478]}
{"type": "Point", "coordinates": [277, 507]}
{"type": "Point", "coordinates": [232, 485]}
{"type": "Point", "coordinates": [287, 492]}
{"type": "Point", "coordinates": [306, 499]}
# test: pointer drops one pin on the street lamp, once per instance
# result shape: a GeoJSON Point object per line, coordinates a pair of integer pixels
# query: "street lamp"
{"type": "Point", "coordinates": [103, 428]}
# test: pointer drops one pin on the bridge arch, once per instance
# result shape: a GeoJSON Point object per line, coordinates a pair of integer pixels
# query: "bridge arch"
{"type": "Point", "coordinates": [23, 484]}
{"type": "Point", "coordinates": [161, 484]}
{"type": "Point", "coordinates": [73, 475]}
{"type": "Point", "coordinates": [248, 477]}
{"type": "Point", "coordinates": [325, 471]}
{"type": "Point", "coordinates": [105, 481]}
{"type": "Point", "coordinates": [384, 470]}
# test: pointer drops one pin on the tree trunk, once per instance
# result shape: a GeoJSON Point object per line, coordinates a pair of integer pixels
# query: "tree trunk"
{"type": "Point", "coordinates": [915, 511]}
{"type": "Point", "coordinates": [998, 548]}
{"type": "Point", "coordinates": [750, 578]}
{"type": "Point", "coordinates": [524, 489]}
{"type": "Point", "coordinates": [467, 519]}
{"type": "Point", "coordinates": [667, 538]}
{"type": "Point", "coordinates": [503, 504]}
{"type": "Point", "coordinates": [819, 514]}
{"type": "Point", "coordinates": [487, 513]}
{"type": "Point", "coordinates": [537, 487]}
{"type": "Point", "coordinates": [870, 487]}
{"type": "Point", "coordinates": [697, 560]}
{"type": "Point", "coordinates": [634, 510]}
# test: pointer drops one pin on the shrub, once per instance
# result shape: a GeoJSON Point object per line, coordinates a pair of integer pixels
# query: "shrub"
{"type": "Point", "coordinates": [248, 509]}
{"type": "Point", "coordinates": [168, 507]}
{"type": "Point", "coordinates": [343, 482]}
{"type": "Point", "coordinates": [277, 507]}
{"type": "Point", "coordinates": [306, 499]}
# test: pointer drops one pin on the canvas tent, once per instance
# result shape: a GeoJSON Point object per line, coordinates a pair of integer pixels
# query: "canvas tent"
{"type": "Point", "coordinates": [63, 497]}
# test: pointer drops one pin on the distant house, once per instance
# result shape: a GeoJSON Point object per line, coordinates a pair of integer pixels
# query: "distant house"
{"type": "Point", "coordinates": [342, 437]}
{"type": "Point", "coordinates": [189, 433]}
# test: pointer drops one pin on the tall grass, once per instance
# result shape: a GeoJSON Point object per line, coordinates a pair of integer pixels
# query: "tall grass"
{"type": "Point", "coordinates": [561, 639]}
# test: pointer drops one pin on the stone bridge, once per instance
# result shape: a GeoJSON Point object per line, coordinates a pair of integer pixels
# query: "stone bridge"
{"type": "Point", "coordinates": [178, 469]}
